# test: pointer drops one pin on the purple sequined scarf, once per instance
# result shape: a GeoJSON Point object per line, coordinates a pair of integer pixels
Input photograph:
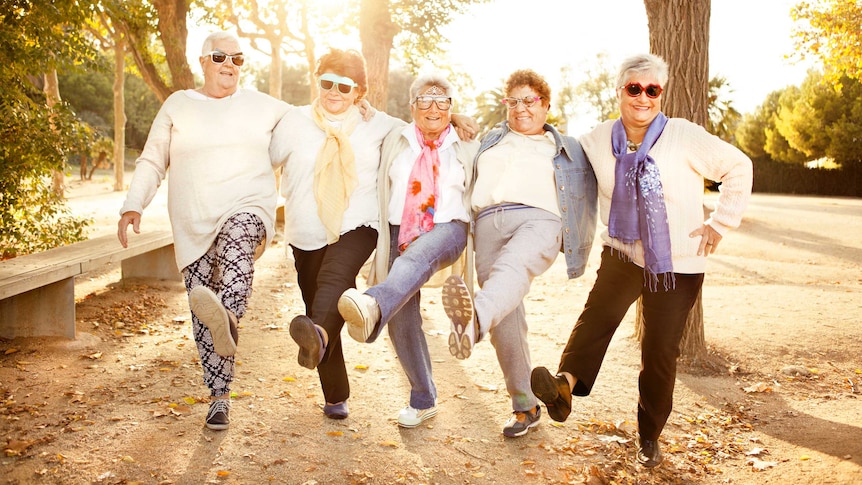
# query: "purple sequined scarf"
{"type": "Point", "coordinates": [637, 205]}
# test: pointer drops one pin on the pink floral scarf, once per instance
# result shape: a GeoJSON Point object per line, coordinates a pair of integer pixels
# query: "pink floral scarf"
{"type": "Point", "coordinates": [422, 191]}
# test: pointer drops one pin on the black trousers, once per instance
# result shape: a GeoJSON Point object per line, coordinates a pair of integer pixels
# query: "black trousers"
{"type": "Point", "coordinates": [618, 284]}
{"type": "Point", "coordinates": [323, 275]}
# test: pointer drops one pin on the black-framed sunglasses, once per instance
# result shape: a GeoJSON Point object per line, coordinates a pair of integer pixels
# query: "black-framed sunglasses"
{"type": "Point", "coordinates": [219, 58]}
{"type": "Point", "coordinates": [326, 85]}
{"type": "Point", "coordinates": [424, 102]}
{"type": "Point", "coordinates": [528, 101]}
{"type": "Point", "coordinates": [635, 89]}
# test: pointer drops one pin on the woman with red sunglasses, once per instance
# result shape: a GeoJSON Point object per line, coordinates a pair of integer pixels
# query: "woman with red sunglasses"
{"type": "Point", "coordinates": [650, 172]}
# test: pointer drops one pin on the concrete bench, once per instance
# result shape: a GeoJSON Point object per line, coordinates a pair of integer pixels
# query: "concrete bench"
{"type": "Point", "coordinates": [37, 291]}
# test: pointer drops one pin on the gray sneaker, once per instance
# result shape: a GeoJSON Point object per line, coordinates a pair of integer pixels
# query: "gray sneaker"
{"type": "Point", "coordinates": [218, 417]}
{"type": "Point", "coordinates": [521, 422]}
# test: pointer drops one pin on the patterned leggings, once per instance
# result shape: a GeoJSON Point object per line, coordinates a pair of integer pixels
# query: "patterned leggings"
{"type": "Point", "coordinates": [227, 269]}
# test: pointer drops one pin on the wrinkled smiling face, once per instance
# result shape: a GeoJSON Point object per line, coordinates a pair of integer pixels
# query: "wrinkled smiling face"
{"type": "Point", "coordinates": [433, 120]}
{"type": "Point", "coordinates": [225, 76]}
{"type": "Point", "coordinates": [527, 120]}
{"type": "Point", "coordinates": [639, 111]}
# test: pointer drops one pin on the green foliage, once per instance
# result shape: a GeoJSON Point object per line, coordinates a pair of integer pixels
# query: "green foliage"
{"type": "Point", "coordinates": [489, 109]}
{"type": "Point", "coordinates": [821, 120]}
{"type": "Point", "coordinates": [419, 22]}
{"type": "Point", "coordinates": [90, 94]}
{"type": "Point", "coordinates": [802, 123]}
{"type": "Point", "coordinates": [37, 38]}
{"type": "Point", "coordinates": [596, 96]}
{"type": "Point", "coordinates": [723, 117]}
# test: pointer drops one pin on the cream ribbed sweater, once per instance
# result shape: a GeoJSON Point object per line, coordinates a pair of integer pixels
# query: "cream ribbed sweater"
{"type": "Point", "coordinates": [685, 154]}
{"type": "Point", "coordinates": [218, 154]}
{"type": "Point", "coordinates": [295, 145]}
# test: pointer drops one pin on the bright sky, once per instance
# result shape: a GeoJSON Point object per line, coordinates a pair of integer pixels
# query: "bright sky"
{"type": "Point", "coordinates": [749, 40]}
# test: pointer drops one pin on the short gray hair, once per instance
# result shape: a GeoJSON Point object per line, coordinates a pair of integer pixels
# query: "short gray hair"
{"type": "Point", "coordinates": [215, 36]}
{"type": "Point", "coordinates": [432, 79]}
{"type": "Point", "coordinates": [643, 64]}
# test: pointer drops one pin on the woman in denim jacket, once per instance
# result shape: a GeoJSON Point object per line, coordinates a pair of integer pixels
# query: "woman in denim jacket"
{"type": "Point", "coordinates": [521, 224]}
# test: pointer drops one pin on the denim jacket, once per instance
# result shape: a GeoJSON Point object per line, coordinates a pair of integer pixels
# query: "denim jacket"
{"type": "Point", "coordinates": [577, 195]}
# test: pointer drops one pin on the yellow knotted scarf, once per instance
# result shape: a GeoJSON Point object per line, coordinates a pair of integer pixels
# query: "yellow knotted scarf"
{"type": "Point", "coordinates": [335, 170]}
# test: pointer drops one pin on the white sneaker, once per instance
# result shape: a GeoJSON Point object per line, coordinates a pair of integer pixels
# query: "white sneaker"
{"type": "Point", "coordinates": [360, 312]}
{"type": "Point", "coordinates": [411, 418]}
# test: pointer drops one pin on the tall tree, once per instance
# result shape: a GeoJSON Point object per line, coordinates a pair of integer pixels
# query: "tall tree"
{"type": "Point", "coordinates": [279, 29]}
{"type": "Point", "coordinates": [165, 20]}
{"type": "Point", "coordinates": [377, 31]}
{"type": "Point", "coordinates": [380, 21]}
{"type": "Point", "coordinates": [110, 37]}
{"type": "Point", "coordinates": [679, 32]}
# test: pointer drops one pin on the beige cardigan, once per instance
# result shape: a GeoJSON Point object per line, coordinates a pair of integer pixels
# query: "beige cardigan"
{"type": "Point", "coordinates": [393, 145]}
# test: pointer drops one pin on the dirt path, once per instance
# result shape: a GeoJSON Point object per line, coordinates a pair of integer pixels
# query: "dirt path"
{"type": "Point", "coordinates": [125, 402]}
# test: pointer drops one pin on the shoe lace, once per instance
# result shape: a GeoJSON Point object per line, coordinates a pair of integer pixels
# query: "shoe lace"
{"type": "Point", "coordinates": [219, 405]}
{"type": "Point", "coordinates": [521, 416]}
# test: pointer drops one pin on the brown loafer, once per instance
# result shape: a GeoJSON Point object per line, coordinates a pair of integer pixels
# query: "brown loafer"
{"type": "Point", "coordinates": [554, 391]}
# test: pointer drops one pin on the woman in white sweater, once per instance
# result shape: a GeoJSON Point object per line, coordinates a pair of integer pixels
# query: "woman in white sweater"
{"type": "Point", "coordinates": [221, 201]}
{"type": "Point", "coordinates": [650, 172]}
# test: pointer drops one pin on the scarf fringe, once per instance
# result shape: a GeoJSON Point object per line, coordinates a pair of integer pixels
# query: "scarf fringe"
{"type": "Point", "coordinates": [651, 280]}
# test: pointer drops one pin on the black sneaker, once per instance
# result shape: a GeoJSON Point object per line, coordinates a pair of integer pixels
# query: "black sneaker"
{"type": "Point", "coordinates": [218, 417]}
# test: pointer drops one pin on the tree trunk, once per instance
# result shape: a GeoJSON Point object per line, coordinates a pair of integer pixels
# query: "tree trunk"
{"type": "Point", "coordinates": [679, 33]}
{"type": "Point", "coordinates": [376, 31]}
{"type": "Point", "coordinates": [174, 34]}
{"type": "Point", "coordinates": [84, 166]}
{"type": "Point", "coordinates": [119, 111]}
{"type": "Point", "coordinates": [52, 97]}
{"type": "Point", "coordinates": [275, 68]}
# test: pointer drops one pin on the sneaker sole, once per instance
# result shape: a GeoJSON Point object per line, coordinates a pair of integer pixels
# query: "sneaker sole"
{"type": "Point", "coordinates": [351, 311]}
{"type": "Point", "coordinates": [544, 386]}
{"type": "Point", "coordinates": [458, 306]}
{"type": "Point", "coordinates": [211, 312]}
{"type": "Point", "coordinates": [424, 418]}
{"type": "Point", "coordinates": [217, 427]}
{"type": "Point", "coordinates": [523, 431]}
{"type": "Point", "coordinates": [305, 335]}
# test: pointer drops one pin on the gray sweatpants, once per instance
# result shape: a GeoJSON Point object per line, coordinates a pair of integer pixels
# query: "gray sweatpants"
{"type": "Point", "coordinates": [514, 244]}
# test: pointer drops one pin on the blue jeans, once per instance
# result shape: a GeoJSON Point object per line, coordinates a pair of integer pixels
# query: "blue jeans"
{"type": "Point", "coordinates": [398, 297]}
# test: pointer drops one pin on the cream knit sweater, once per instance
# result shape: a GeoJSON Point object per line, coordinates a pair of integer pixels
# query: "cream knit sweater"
{"type": "Point", "coordinates": [218, 154]}
{"type": "Point", "coordinates": [685, 154]}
